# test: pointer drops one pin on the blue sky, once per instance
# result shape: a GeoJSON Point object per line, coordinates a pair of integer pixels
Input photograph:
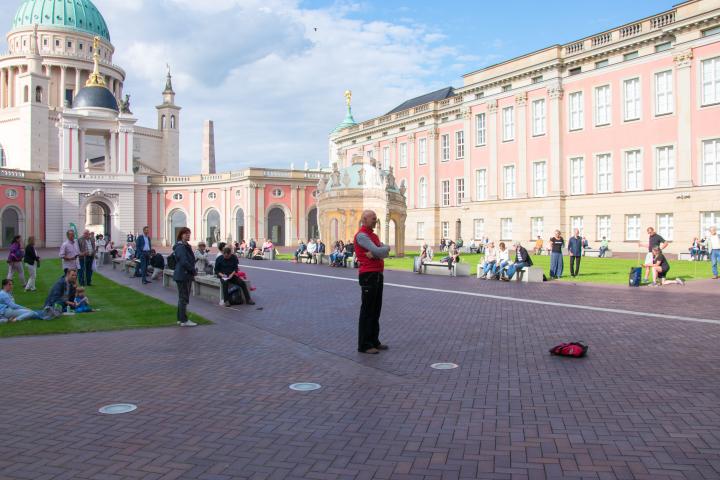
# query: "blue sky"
{"type": "Point", "coordinates": [274, 85]}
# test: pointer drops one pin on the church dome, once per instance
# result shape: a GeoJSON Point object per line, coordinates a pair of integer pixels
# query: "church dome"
{"type": "Point", "coordinates": [95, 97]}
{"type": "Point", "coordinates": [79, 15]}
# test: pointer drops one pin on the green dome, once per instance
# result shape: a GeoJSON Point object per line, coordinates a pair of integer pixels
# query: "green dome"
{"type": "Point", "coordinates": [78, 15]}
{"type": "Point", "coordinates": [348, 122]}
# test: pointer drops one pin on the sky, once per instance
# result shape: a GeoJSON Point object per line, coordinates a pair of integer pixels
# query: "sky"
{"type": "Point", "coordinates": [272, 74]}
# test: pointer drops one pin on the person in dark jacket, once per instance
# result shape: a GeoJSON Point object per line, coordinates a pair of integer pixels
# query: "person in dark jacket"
{"type": "Point", "coordinates": [522, 260]}
{"type": "Point", "coordinates": [157, 262]}
{"type": "Point", "coordinates": [63, 292]}
{"type": "Point", "coordinates": [32, 260]}
{"type": "Point", "coordinates": [252, 245]}
{"type": "Point", "coordinates": [575, 247]}
{"type": "Point", "coordinates": [184, 274]}
{"type": "Point", "coordinates": [226, 268]}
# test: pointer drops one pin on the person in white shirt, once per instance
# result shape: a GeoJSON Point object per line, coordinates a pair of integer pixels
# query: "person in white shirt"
{"type": "Point", "coordinates": [100, 246]}
{"type": "Point", "coordinates": [201, 258]}
{"type": "Point", "coordinates": [713, 246]}
{"type": "Point", "coordinates": [503, 260]}
{"type": "Point", "coordinates": [311, 249]}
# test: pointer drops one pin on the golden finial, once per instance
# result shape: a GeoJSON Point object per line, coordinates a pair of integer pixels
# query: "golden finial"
{"type": "Point", "coordinates": [348, 97]}
{"type": "Point", "coordinates": [95, 79]}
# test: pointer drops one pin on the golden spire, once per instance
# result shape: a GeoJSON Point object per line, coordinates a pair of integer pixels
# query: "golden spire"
{"type": "Point", "coordinates": [95, 79]}
{"type": "Point", "coordinates": [348, 97]}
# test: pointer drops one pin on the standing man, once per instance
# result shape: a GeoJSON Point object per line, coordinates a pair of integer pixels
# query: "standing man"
{"type": "Point", "coordinates": [654, 241]}
{"type": "Point", "coordinates": [69, 252]}
{"type": "Point", "coordinates": [575, 247]}
{"type": "Point", "coordinates": [713, 243]}
{"type": "Point", "coordinates": [86, 245]}
{"type": "Point", "coordinates": [143, 252]}
{"type": "Point", "coordinates": [370, 253]}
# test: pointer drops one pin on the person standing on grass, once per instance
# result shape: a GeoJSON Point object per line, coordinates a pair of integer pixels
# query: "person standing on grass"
{"type": "Point", "coordinates": [69, 252]}
{"type": "Point", "coordinates": [144, 246]}
{"type": "Point", "coordinates": [15, 259]}
{"type": "Point", "coordinates": [32, 260]}
{"type": "Point", "coordinates": [575, 247]}
{"type": "Point", "coordinates": [654, 241]}
{"type": "Point", "coordinates": [87, 254]}
{"type": "Point", "coordinates": [713, 243]}
{"type": "Point", "coordinates": [101, 245]}
{"type": "Point", "coordinates": [184, 274]}
{"type": "Point", "coordinates": [370, 253]}
{"type": "Point", "coordinates": [556, 257]}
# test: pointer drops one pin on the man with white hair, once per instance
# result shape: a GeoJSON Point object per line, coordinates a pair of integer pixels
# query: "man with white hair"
{"type": "Point", "coordinates": [522, 260]}
{"type": "Point", "coordinates": [370, 253]}
{"type": "Point", "coordinates": [713, 243]}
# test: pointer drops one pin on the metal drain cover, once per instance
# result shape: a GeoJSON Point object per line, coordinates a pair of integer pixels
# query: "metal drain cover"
{"type": "Point", "coordinates": [305, 387]}
{"type": "Point", "coordinates": [117, 408]}
{"type": "Point", "coordinates": [444, 366]}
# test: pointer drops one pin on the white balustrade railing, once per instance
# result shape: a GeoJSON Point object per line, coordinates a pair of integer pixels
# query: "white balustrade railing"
{"type": "Point", "coordinates": [602, 39]}
{"type": "Point", "coordinates": [662, 20]}
{"type": "Point", "coordinates": [630, 30]}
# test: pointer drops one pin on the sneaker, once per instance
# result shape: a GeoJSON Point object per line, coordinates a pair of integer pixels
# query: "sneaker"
{"type": "Point", "coordinates": [222, 303]}
{"type": "Point", "coordinates": [189, 323]}
{"type": "Point", "coordinates": [680, 281]}
{"type": "Point", "coordinates": [226, 304]}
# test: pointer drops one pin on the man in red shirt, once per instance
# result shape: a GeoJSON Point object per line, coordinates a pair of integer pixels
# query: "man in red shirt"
{"type": "Point", "coordinates": [370, 252]}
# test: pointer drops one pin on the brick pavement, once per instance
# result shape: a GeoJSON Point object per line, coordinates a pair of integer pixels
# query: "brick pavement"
{"type": "Point", "coordinates": [214, 403]}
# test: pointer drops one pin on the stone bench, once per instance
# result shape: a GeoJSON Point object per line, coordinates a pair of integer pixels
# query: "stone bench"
{"type": "Point", "coordinates": [127, 266]}
{"type": "Point", "coordinates": [596, 253]}
{"type": "Point", "coordinates": [207, 287]}
{"type": "Point", "coordinates": [350, 262]}
{"type": "Point", "coordinates": [684, 256]}
{"type": "Point", "coordinates": [527, 274]}
{"type": "Point", "coordinates": [439, 268]}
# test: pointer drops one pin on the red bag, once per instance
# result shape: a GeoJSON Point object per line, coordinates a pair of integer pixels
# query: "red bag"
{"type": "Point", "coordinates": [572, 349]}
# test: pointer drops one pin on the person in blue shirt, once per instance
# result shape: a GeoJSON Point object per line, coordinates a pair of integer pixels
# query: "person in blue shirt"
{"type": "Point", "coordinates": [575, 248]}
{"type": "Point", "coordinates": [11, 311]}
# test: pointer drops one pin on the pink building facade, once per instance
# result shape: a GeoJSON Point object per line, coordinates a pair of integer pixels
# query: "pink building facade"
{"type": "Point", "coordinates": [610, 134]}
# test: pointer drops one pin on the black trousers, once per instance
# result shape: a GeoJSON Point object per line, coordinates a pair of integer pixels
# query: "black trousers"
{"type": "Point", "coordinates": [371, 285]}
{"type": "Point", "coordinates": [183, 299]}
{"type": "Point", "coordinates": [236, 281]}
{"type": "Point", "coordinates": [574, 265]}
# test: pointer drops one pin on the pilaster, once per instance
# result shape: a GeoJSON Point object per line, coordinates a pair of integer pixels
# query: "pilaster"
{"type": "Point", "coordinates": [251, 212]}
{"type": "Point", "coordinates": [467, 138]}
{"type": "Point", "coordinates": [521, 104]}
{"type": "Point", "coordinates": [262, 233]}
{"type": "Point", "coordinates": [432, 153]}
{"type": "Point", "coordinates": [295, 233]}
{"type": "Point", "coordinates": [411, 171]}
{"type": "Point", "coordinates": [492, 139]}
{"type": "Point", "coordinates": [555, 93]}
{"type": "Point", "coordinates": [684, 158]}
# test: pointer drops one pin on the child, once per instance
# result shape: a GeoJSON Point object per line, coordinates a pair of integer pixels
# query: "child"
{"type": "Point", "coordinates": [82, 304]}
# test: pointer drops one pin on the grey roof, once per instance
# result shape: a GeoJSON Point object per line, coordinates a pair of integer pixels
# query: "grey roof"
{"type": "Point", "coordinates": [441, 94]}
{"type": "Point", "coordinates": [95, 97]}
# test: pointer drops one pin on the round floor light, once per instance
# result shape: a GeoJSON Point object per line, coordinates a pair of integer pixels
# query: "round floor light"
{"type": "Point", "coordinates": [118, 408]}
{"type": "Point", "coordinates": [444, 366]}
{"type": "Point", "coordinates": [305, 387]}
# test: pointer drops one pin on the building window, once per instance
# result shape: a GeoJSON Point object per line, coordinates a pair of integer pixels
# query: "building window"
{"type": "Point", "coordinates": [445, 147]}
{"type": "Point", "coordinates": [506, 229]}
{"type": "Point", "coordinates": [540, 179]}
{"type": "Point", "coordinates": [632, 227]}
{"type": "Point", "coordinates": [446, 193]}
{"type": "Point", "coordinates": [480, 129]}
{"type": "Point", "coordinates": [422, 193]}
{"type": "Point", "coordinates": [575, 71]}
{"type": "Point", "coordinates": [711, 81]}
{"type": "Point", "coordinates": [576, 223]}
{"type": "Point", "coordinates": [506, 88]}
{"type": "Point", "coordinates": [665, 226]}
{"type": "Point", "coordinates": [661, 47]}
{"type": "Point", "coordinates": [665, 160]}
{"type": "Point", "coordinates": [213, 195]}
{"type": "Point", "coordinates": [707, 220]}
{"type": "Point", "coordinates": [370, 153]}
{"type": "Point", "coordinates": [631, 91]}
{"type": "Point", "coordinates": [11, 193]}
{"type": "Point", "coordinates": [509, 181]}
{"type": "Point", "coordinates": [604, 173]}
{"type": "Point", "coordinates": [459, 144]}
{"type": "Point", "coordinates": [277, 193]}
{"type": "Point", "coordinates": [479, 228]}
{"type": "Point", "coordinates": [711, 162]}
{"type": "Point", "coordinates": [711, 31]}
{"type": "Point", "coordinates": [602, 63]}
{"type": "Point", "coordinates": [537, 227]}
{"type": "Point", "coordinates": [238, 193]}
{"type": "Point", "coordinates": [445, 229]}
{"type": "Point", "coordinates": [481, 184]}
{"type": "Point", "coordinates": [538, 113]}
{"type": "Point", "coordinates": [508, 115]}
{"type": "Point", "coordinates": [422, 151]}
{"type": "Point", "coordinates": [177, 196]}
{"type": "Point", "coordinates": [403, 155]}
{"type": "Point", "coordinates": [663, 93]}
{"type": "Point", "coordinates": [633, 170]}
{"type": "Point", "coordinates": [576, 111]}
{"type": "Point", "coordinates": [386, 158]}
{"type": "Point", "coordinates": [603, 227]}
{"type": "Point", "coordinates": [420, 231]}
{"type": "Point", "coordinates": [537, 79]}
{"type": "Point", "coordinates": [630, 56]}
{"type": "Point", "coordinates": [459, 191]}
{"type": "Point", "coordinates": [603, 102]}
{"type": "Point", "coordinates": [3, 158]}
{"type": "Point", "coordinates": [577, 176]}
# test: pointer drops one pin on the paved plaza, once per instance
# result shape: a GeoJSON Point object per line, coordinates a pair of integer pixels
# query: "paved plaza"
{"type": "Point", "coordinates": [214, 403]}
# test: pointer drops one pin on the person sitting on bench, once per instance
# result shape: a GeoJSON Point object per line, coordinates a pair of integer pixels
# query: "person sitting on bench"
{"type": "Point", "coordinates": [522, 260]}
{"type": "Point", "coordinates": [311, 249]}
{"type": "Point", "coordinates": [302, 248]}
{"type": "Point", "coordinates": [226, 268]}
{"type": "Point", "coordinates": [490, 259]}
{"type": "Point", "coordinates": [349, 252]}
{"type": "Point", "coordinates": [426, 255]}
{"type": "Point", "coordinates": [503, 259]}
{"type": "Point", "coordinates": [157, 263]}
{"type": "Point", "coordinates": [453, 256]}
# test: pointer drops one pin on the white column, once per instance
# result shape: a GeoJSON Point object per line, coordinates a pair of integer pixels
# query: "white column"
{"type": "Point", "coordinates": [295, 216]}
{"type": "Point", "coordinates": [36, 217]}
{"type": "Point", "coordinates": [556, 162]}
{"type": "Point", "coordinates": [2, 88]}
{"type": "Point", "coordinates": [63, 79]}
{"type": "Point", "coordinates": [77, 82]}
{"type": "Point", "coordinates": [48, 73]}
{"type": "Point", "coordinates": [113, 163]}
{"type": "Point", "coordinates": [199, 214]}
{"type": "Point", "coordinates": [684, 157]}
{"type": "Point", "coordinates": [68, 134]}
{"type": "Point", "coordinates": [163, 217]}
{"type": "Point", "coordinates": [12, 87]}
{"type": "Point", "coordinates": [154, 225]}
{"type": "Point", "coordinates": [250, 212]}
{"type": "Point", "coordinates": [30, 212]}
{"type": "Point", "coordinates": [433, 164]}
{"type": "Point", "coordinates": [262, 233]}
{"type": "Point", "coordinates": [411, 171]}
{"type": "Point", "coordinates": [302, 213]}
{"type": "Point", "coordinates": [467, 157]}
{"type": "Point", "coordinates": [192, 224]}
{"type": "Point", "coordinates": [223, 214]}
{"type": "Point", "coordinates": [521, 103]}
{"type": "Point", "coordinates": [492, 139]}
{"type": "Point", "coordinates": [107, 154]}
{"type": "Point", "coordinates": [81, 150]}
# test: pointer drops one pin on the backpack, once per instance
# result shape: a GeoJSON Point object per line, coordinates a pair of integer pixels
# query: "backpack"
{"type": "Point", "coordinates": [572, 349]}
{"type": "Point", "coordinates": [634, 277]}
{"type": "Point", "coordinates": [171, 261]}
{"type": "Point", "coordinates": [235, 295]}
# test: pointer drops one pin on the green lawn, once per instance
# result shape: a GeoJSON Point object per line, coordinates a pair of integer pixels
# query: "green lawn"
{"type": "Point", "coordinates": [595, 270]}
{"type": "Point", "coordinates": [121, 308]}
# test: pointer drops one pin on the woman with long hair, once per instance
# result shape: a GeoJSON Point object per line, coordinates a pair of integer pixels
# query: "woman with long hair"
{"type": "Point", "coordinates": [15, 258]}
{"type": "Point", "coordinates": [32, 260]}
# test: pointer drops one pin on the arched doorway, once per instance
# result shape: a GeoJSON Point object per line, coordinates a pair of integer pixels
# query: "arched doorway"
{"type": "Point", "coordinates": [312, 229]}
{"type": "Point", "coordinates": [98, 219]}
{"type": "Point", "coordinates": [276, 226]}
{"type": "Point", "coordinates": [240, 224]}
{"type": "Point", "coordinates": [178, 220]}
{"type": "Point", "coordinates": [10, 225]}
{"type": "Point", "coordinates": [212, 227]}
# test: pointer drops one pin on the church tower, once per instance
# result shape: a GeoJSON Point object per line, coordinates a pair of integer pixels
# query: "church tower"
{"type": "Point", "coordinates": [169, 125]}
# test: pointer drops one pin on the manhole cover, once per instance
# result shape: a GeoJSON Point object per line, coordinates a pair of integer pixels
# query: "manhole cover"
{"type": "Point", "coordinates": [443, 366]}
{"type": "Point", "coordinates": [117, 408]}
{"type": "Point", "coordinates": [305, 387]}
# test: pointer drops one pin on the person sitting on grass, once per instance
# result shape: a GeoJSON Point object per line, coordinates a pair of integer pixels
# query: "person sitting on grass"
{"type": "Point", "coordinates": [659, 268]}
{"type": "Point", "coordinates": [11, 311]}
{"type": "Point", "coordinates": [82, 303]}
{"type": "Point", "coordinates": [62, 294]}
{"type": "Point", "coordinates": [157, 265]}
{"type": "Point", "coordinates": [488, 264]}
{"type": "Point", "coordinates": [522, 260]}
{"type": "Point", "coordinates": [226, 268]}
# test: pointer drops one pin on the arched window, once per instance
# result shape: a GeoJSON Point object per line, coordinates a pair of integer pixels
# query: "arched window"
{"type": "Point", "coordinates": [212, 196]}
{"type": "Point", "coordinates": [422, 193]}
{"type": "Point", "coordinates": [177, 196]}
{"type": "Point", "coordinates": [26, 94]}
{"type": "Point", "coordinates": [163, 123]}
{"type": "Point", "coordinates": [38, 94]}
{"type": "Point", "coordinates": [3, 158]}
{"type": "Point", "coordinates": [172, 121]}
